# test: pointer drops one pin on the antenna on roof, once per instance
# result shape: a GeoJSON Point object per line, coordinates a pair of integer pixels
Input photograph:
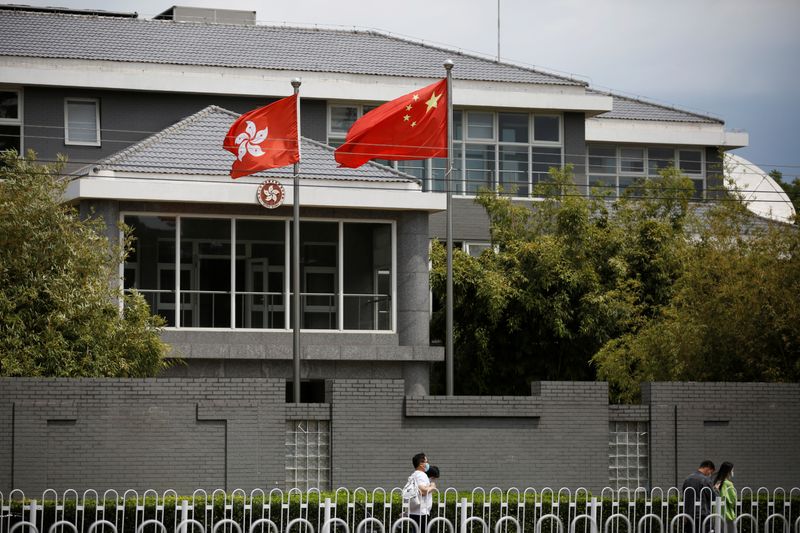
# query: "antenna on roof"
{"type": "Point", "coordinates": [498, 31]}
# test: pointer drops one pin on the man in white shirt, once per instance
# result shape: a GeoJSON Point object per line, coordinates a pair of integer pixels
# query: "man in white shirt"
{"type": "Point", "coordinates": [419, 512]}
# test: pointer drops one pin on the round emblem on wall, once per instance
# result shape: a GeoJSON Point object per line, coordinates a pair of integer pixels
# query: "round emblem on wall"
{"type": "Point", "coordinates": [270, 194]}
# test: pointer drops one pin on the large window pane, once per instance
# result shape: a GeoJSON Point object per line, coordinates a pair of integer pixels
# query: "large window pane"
{"type": "Point", "coordinates": [658, 159]}
{"type": "Point", "coordinates": [9, 138]}
{"type": "Point", "coordinates": [514, 170]}
{"type": "Point", "coordinates": [342, 117]}
{"type": "Point", "coordinates": [631, 185]}
{"type": "Point", "coordinates": [480, 166]}
{"type": "Point", "coordinates": [480, 125]}
{"type": "Point", "coordinates": [602, 186]}
{"type": "Point", "coordinates": [260, 270]}
{"type": "Point", "coordinates": [543, 159]}
{"type": "Point", "coordinates": [9, 105]}
{"type": "Point", "coordinates": [415, 168]}
{"type": "Point", "coordinates": [438, 172]}
{"type": "Point", "coordinates": [151, 266]}
{"type": "Point", "coordinates": [319, 282]}
{"type": "Point", "coordinates": [602, 159]}
{"type": "Point", "coordinates": [207, 246]}
{"type": "Point", "coordinates": [81, 121]}
{"type": "Point", "coordinates": [367, 276]}
{"type": "Point", "coordinates": [691, 161]}
{"type": "Point", "coordinates": [513, 127]}
{"type": "Point", "coordinates": [631, 160]}
{"type": "Point", "coordinates": [547, 128]}
{"type": "Point", "coordinates": [458, 125]}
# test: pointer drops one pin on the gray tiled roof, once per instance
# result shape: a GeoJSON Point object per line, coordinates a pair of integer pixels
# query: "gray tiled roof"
{"type": "Point", "coordinates": [58, 35]}
{"type": "Point", "coordinates": [193, 146]}
{"type": "Point", "coordinates": [634, 109]}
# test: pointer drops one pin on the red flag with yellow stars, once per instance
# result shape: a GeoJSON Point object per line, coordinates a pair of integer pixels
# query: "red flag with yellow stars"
{"type": "Point", "coordinates": [413, 126]}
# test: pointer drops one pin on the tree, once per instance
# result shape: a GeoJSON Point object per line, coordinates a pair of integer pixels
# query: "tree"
{"type": "Point", "coordinates": [792, 191]}
{"type": "Point", "coordinates": [568, 276]}
{"type": "Point", "coordinates": [647, 287]}
{"type": "Point", "coordinates": [734, 316]}
{"type": "Point", "coordinates": [60, 309]}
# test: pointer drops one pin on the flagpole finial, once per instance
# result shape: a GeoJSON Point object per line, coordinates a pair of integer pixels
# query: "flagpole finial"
{"type": "Point", "coordinates": [296, 83]}
{"type": "Point", "coordinates": [448, 64]}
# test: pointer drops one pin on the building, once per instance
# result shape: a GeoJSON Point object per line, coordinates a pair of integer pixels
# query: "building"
{"type": "Point", "coordinates": [140, 107]}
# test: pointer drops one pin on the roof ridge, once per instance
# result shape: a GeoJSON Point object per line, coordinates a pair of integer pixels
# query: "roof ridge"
{"type": "Point", "coordinates": [642, 100]}
{"type": "Point", "coordinates": [148, 141]}
{"type": "Point", "coordinates": [476, 55]}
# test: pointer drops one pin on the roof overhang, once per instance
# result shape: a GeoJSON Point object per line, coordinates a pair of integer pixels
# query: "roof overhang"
{"type": "Point", "coordinates": [661, 132]}
{"type": "Point", "coordinates": [109, 185]}
{"type": "Point", "coordinates": [275, 83]}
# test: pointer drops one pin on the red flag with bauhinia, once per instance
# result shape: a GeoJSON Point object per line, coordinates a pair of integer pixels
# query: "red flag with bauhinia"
{"type": "Point", "coordinates": [264, 138]}
{"type": "Point", "coordinates": [413, 126]}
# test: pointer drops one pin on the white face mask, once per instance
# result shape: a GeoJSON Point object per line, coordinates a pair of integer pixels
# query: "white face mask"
{"type": "Point", "coordinates": [731, 474]}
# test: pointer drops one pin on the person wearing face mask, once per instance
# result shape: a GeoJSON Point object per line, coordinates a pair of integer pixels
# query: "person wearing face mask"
{"type": "Point", "coordinates": [723, 483]}
{"type": "Point", "coordinates": [419, 511]}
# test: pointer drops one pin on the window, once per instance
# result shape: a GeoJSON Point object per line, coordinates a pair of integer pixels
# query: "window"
{"type": "Point", "coordinates": [628, 461]}
{"type": "Point", "coordinates": [308, 454]}
{"type": "Point", "coordinates": [617, 170]}
{"type": "Point", "coordinates": [10, 120]}
{"type": "Point", "coordinates": [490, 150]}
{"type": "Point", "coordinates": [236, 273]}
{"type": "Point", "coordinates": [82, 121]}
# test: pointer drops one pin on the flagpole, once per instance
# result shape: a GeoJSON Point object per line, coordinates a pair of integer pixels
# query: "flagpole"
{"type": "Point", "coordinates": [448, 66]}
{"type": "Point", "coordinates": [296, 259]}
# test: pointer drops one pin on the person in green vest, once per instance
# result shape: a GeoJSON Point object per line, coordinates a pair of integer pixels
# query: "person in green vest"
{"type": "Point", "coordinates": [723, 483]}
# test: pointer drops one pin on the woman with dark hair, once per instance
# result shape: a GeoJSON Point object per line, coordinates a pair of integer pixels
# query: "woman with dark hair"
{"type": "Point", "coordinates": [723, 483]}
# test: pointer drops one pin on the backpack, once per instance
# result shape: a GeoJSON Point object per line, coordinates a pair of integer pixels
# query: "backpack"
{"type": "Point", "coordinates": [411, 491]}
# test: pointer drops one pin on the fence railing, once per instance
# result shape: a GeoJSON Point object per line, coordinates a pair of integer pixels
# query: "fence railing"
{"type": "Point", "coordinates": [383, 511]}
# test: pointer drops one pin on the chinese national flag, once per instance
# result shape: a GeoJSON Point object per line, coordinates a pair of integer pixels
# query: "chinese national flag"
{"type": "Point", "coordinates": [264, 138]}
{"type": "Point", "coordinates": [413, 126]}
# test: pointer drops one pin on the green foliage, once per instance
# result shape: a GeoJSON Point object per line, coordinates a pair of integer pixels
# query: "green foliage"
{"type": "Point", "coordinates": [568, 276]}
{"type": "Point", "coordinates": [792, 191]}
{"type": "Point", "coordinates": [59, 301]}
{"type": "Point", "coordinates": [734, 316]}
{"type": "Point", "coordinates": [641, 288]}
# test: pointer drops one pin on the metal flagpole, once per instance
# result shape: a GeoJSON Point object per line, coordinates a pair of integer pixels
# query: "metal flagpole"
{"type": "Point", "coordinates": [296, 258]}
{"type": "Point", "coordinates": [448, 66]}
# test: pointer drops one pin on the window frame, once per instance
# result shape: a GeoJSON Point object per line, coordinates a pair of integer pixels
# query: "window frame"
{"type": "Point", "coordinates": [459, 146]}
{"type": "Point", "coordinates": [67, 140]}
{"type": "Point", "coordinates": [287, 221]}
{"type": "Point", "coordinates": [645, 173]}
{"type": "Point", "coordinates": [19, 121]}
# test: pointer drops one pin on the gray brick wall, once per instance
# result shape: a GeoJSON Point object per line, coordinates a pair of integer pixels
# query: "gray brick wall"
{"type": "Point", "coordinates": [229, 432]}
{"type": "Point", "coordinates": [140, 433]}
{"type": "Point", "coordinates": [756, 426]}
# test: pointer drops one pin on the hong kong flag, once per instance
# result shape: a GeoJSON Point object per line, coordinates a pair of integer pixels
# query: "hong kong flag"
{"type": "Point", "coordinates": [264, 138]}
{"type": "Point", "coordinates": [413, 126]}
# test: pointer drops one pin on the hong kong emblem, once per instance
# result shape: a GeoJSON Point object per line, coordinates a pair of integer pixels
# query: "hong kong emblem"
{"type": "Point", "coordinates": [270, 194]}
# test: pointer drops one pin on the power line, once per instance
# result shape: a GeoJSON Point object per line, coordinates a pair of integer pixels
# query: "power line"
{"type": "Point", "coordinates": [490, 147]}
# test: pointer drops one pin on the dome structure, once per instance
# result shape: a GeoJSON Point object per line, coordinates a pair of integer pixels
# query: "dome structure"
{"type": "Point", "coordinates": [762, 194]}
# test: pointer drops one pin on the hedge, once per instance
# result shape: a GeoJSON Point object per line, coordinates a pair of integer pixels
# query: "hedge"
{"type": "Point", "coordinates": [233, 506]}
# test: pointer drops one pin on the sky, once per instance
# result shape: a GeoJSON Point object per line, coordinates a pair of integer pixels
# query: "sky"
{"type": "Point", "coordinates": [738, 60]}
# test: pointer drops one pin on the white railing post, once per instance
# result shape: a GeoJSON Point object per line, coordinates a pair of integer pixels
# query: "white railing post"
{"type": "Point", "coordinates": [326, 528]}
{"type": "Point", "coordinates": [718, 512]}
{"type": "Point", "coordinates": [593, 512]}
{"type": "Point", "coordinates": [463, 528]}
{"type": "Point", "coordinates": [32, 513]}
{"type": "Point", "coordinates": [184, 514]}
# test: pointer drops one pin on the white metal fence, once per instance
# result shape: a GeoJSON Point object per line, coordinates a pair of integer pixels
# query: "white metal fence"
{"type": "Point", "coordinates": [381, 511]}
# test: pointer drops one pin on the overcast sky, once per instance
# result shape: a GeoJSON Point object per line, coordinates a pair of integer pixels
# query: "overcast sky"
{"type": "Point", "coordinates": [736, 59]}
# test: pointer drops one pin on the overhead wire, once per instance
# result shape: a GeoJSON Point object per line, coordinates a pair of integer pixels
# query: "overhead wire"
{"type": "Point", "coordinates": [471, 146]}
